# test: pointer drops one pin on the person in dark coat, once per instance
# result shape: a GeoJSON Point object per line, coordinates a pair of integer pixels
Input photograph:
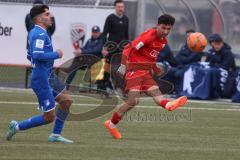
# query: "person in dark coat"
{"type": "Point", "coordinates": [166, 55]}
{"type": "Point", "coordinates": [94, 45]}
{"type": "Point", "coordinates": [185, 56]}
{"type": "Point", "coordinates": [220, 55]}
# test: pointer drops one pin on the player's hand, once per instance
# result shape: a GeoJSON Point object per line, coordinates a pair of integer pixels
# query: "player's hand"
{"type": "Point", "coordinates": [60, 53]}
{"type": "Point", "coordinates": [121, 70]}
{"type": "Point", "coordinates": [163, 67]}
{"type": "Point", "coordinates": [104, 52]}
{"type": "Point", "coordinates": [78, 52]}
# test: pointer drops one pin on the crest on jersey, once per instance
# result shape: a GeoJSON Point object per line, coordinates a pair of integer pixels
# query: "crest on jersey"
{"type": "Point", "coordinates": [154, 53]}
{"type": "Point", "coordinates": [39, 43]}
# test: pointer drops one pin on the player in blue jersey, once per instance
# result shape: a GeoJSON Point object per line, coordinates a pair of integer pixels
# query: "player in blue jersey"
{"type": "Point", "coordinates": [45, 85]}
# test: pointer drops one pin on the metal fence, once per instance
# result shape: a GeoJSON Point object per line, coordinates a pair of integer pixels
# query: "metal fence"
{"type": "Point", "coordinates": [86, 3]}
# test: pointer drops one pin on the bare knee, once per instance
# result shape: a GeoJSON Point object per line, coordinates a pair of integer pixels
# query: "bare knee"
{"type": "Point", "coordinates": [49, 117]}
{"type": "Point", "coordinates": [133, 102]}
{"type": "Point", "coordinates": [66, 104]}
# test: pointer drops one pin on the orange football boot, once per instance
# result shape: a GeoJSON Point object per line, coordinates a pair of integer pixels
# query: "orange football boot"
{"type": "Point", "coordinates": [172, 105]}
{"type": "Point", "coordinates": [113, 131]}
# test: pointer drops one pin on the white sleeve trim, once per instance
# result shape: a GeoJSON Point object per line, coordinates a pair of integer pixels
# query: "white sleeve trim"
{"type": "Point", "coordinates": [139, 45]}
{"type": "Point", "coordinates": [38, 51]}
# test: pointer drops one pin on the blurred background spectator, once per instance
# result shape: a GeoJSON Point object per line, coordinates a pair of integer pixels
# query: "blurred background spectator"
{"type": "Point", "coordinates": [220, 55]}
{"type": "Point", "coordinates": [94, 47]}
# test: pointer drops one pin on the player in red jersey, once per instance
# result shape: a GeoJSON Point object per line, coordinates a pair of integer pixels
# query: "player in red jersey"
{"type": "Point", "coordinates": [139, 65]}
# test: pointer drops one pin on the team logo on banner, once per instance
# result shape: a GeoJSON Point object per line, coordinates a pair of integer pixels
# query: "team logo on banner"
{"type": "Point", "coordinates": [78, 32]}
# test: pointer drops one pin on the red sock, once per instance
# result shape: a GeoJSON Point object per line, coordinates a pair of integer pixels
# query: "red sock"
{"type": "Point", "coordinates": [164, 102]}
{"type": "Point", "coordinates": [116, 118]}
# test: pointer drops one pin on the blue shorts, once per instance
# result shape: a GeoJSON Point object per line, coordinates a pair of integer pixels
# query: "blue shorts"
{"type": "Point", "coordinates": [46, 96]}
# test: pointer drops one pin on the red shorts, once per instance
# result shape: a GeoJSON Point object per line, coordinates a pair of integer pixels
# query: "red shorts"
{"type": "Point", "coordinates": [140, 80]}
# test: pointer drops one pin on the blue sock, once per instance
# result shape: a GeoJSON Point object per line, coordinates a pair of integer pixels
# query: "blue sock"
{"type": "Point", "coordinates": [59, 122]}
{"type": "Point", "coordinates": [34, 121]}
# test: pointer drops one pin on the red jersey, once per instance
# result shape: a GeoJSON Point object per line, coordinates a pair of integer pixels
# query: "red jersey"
{"type": "Point", "coordinates": [140, 57]}
{"type": "Point", "coordinates": [145, 48]}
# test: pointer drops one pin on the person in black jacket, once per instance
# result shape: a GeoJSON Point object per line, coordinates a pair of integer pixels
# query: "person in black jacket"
{"type": "Point", "coordinates": [116, 24]}
{"type": "Point", "coordinates": [220, 55]}
{"type": "Point", "coordinates": [116, 34]}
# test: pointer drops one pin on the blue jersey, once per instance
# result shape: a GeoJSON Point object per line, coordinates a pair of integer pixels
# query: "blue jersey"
{"type": "Point", "coordinates": [42, 56]}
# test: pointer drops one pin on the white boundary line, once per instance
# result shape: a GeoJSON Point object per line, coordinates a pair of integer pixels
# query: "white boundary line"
{"type": "Point", "coordinates": [234, 108]}
{"type": "Point", "coordinates": [216, 102]}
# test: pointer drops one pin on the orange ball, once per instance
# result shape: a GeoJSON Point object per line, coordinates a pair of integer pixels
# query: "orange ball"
{"type": "Point", "coordinates": [197, 42]}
